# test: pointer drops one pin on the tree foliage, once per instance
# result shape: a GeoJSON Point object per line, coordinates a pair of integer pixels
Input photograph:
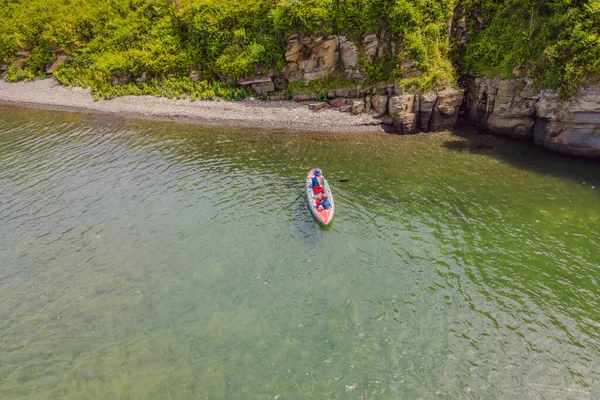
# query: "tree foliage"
{"type": "Point", "coordinates": [556, 41]}
{"type": "Point", "coordinates": [224, 39]}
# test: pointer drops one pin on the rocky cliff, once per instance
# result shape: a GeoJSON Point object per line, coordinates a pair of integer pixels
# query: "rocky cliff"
{"type": "Point", "coordinates": [310, 58]}
{"type": "Point", "coordinates": [513, 107]}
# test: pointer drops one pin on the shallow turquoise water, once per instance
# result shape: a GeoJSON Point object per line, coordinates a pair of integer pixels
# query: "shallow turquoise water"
{"type": "Point", "coordinates": [146, 260]}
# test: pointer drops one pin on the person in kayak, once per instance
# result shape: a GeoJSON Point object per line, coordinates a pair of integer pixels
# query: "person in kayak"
{"type": "Point", "coordinates": [325, 202]}
{"type": "Point", "coordinates": [322, 202]}
{"type": "Point", "coordinates": [318, 181]}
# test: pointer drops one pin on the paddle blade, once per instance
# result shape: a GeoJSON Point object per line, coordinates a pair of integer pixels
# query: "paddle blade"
{"type": "Point", "coordinates": [290, 183]}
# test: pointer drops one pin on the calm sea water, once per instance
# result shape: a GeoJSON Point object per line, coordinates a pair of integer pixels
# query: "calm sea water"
{"type": "Point", "coordinates": [148, 260]}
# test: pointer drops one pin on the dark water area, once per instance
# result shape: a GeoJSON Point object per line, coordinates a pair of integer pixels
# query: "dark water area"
{"type": "Point", "coordinates": [152, 260]}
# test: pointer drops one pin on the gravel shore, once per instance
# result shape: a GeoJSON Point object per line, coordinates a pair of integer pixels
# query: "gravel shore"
{"type": "Point", "coordinates": [48, 94]}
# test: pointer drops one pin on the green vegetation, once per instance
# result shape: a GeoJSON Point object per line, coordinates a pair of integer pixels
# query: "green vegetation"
{"type": "Point", "coordinates": [16, 75]}
{"type": "Point", "coordinates": [224, 40]}
{"type": "Point", "coordinates": [153, 44]}
{"type": "Point", "coordinates": [556, 41]}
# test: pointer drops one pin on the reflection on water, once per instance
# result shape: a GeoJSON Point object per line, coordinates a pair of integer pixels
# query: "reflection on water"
{"type": "Point", "coordinates": [151, 260]}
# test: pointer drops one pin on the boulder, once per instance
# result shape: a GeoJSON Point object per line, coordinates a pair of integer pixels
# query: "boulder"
{"type": "Point", "coordinates": [346, 108]}
{"type": "Point", "coordinates": [61, 60]}
{"type": "Point", "coordinates": [445, 113]}
{"type": "Point", "coordinates": [405, 124]}
{"type": "Point", "coordinates": [427, 103]}
{"type": "Point", "coordinates": [380, 105]}
{"type": "Point", "coordinates": [195, 75]}
{"type": "Point", "coordinates": [19, 63]}
{"type": "Point", "coordinates": [402, 110]}
{"type": "Point", "coordinates": [120, 79]}
{"type": "Point", "coordinates": [261, 84]}
{"type": "Point", "coordinates": [399, 105]}
{"type": "Point", "coordinates": [317, 106]}
{"type": "Point", "coordinates": [142, 78]}
{"type": "Point", "coordinates": [22, 55]}
{"type": "Point", "coordinates": [358, 106]}
{"type": "Point", "coordinates": [336, 103]}
{"type": "Point", "coordinates": [263, 87]}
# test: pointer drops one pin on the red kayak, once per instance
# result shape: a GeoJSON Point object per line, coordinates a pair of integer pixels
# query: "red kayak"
{"type": "Point", "coordinates": [322, 215]}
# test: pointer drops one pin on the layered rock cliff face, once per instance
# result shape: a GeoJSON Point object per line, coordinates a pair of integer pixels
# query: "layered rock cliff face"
{"type": "Point", "coordinates": [427, 112]}
{"type": "Point", "coordinates": [512, 107]}
{"type": "Point", "coordinates": [310, 58]}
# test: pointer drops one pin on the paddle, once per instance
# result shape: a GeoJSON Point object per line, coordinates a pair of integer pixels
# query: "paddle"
{"type": "Point", "coordinates": [337, 180]}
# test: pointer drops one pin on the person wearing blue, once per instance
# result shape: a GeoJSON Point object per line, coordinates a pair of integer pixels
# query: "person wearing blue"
{"type": "Point", "coordinates": [317, 180]}
{"type": "Point", "coordinates": [325, 202]}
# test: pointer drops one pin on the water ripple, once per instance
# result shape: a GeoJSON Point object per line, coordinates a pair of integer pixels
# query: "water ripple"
{"type": "Point", "coordinates": [149, 260]}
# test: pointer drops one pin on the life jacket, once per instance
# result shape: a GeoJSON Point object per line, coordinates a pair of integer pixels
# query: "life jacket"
{"type": "Point", "coordinates": [315, 182]}
{"type": "Point", "coordinates": [326, 204]}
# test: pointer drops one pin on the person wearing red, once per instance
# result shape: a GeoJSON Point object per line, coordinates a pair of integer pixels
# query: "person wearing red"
{"type": "Point", "coordinates": [318, 181]}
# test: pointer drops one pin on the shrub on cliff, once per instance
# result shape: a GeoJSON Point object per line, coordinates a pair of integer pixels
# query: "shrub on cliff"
{"type": "Point", "coordinates": [140, 40]}
{"type": "Point", "coordinates": [556, 41]}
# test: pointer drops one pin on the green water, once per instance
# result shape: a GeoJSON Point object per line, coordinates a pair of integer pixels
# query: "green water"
{"type": "Point", "coordinates": [147, 260]}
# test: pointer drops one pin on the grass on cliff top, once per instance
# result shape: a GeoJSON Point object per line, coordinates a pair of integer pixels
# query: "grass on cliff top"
{"type": "Point", "coordinates": [225, 39]}
{"type": "Point", "coordinates": [555, 41]}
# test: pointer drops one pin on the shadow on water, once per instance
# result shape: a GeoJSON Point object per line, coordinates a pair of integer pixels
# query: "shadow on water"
{"type": "Point", "coordinates": [525, 155]}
